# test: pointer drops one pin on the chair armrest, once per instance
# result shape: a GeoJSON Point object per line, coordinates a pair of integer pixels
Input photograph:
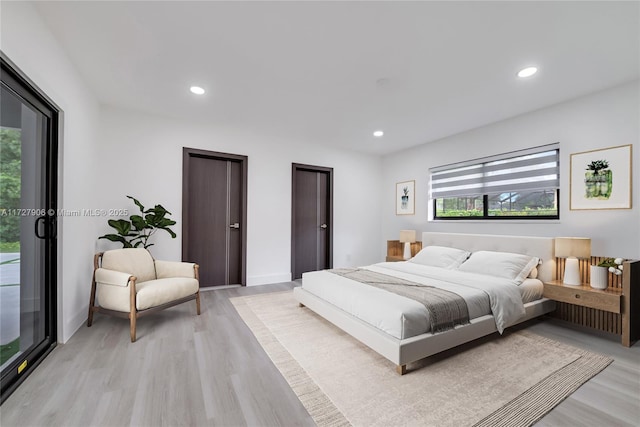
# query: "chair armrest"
{"type": "Point", "coordinates": [171, 269]}
{"type": "Point", "coordinates": [111, 277]}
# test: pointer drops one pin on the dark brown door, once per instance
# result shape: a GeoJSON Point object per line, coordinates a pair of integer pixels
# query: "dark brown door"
{"type": "Point", "coordinates": [214, 215]}
{"type": "Point", "coordinates": [312, 219]}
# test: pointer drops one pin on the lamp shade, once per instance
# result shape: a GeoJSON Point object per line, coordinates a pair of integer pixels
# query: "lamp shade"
{"type": "Point", "coordinates": [407, 236]}
{"type": "Point", "coordinates": [578, 247]}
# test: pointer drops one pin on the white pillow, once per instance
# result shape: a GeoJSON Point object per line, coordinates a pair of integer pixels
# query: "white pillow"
{"type": "Point", "coordinates": [533, 274]}
{"type": "Point", "coordinates": [441, 256]}
{"type": "Point", "coordinates": [501, 264]}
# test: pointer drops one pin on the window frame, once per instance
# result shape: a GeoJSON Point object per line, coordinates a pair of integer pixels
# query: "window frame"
{"type": "Point", "coordinates": [485, 213]}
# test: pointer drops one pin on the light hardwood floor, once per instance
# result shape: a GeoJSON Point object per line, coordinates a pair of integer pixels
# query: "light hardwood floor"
{"type": "Point", "coordinates": [209, 370]}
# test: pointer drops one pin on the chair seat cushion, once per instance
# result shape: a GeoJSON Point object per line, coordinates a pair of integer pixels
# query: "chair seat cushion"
{"type": "Point", "coordinates": [153, 293]}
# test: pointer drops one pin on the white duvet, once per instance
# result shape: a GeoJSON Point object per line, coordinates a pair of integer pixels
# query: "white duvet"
{"type": "Point", "coordinates": [403, 317]}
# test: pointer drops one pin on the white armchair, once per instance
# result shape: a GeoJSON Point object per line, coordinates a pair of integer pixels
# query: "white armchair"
{"type": "Point", "coordinates": [129, 283]}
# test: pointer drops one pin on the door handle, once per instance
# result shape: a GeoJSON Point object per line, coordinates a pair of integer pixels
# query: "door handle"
{"type": "Point", "coordinates": [234, 225]}
{"type": "Point", "coordinates": [323, 226]}
{"type": "Point", "coordinates": [40, 219]}
{"type": "Point", "coordinates": [49, 229]}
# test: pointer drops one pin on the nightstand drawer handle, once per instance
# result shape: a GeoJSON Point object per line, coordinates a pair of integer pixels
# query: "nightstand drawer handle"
{"type": "Point", "coordinates": [577, 296]}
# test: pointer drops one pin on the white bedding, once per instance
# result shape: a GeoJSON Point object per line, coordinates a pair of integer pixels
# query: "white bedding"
{"type": "Point", "coordinates": [403, 317]}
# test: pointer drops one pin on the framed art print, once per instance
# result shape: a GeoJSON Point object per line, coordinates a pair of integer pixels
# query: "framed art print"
{"type": "Point", "coordinates": [406, 198]}
{"type": "Point", "coordinates": [601, 179]}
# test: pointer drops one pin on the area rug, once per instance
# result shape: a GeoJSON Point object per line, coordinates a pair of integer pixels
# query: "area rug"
{"type": "Point", "coordinates": [509, 380]}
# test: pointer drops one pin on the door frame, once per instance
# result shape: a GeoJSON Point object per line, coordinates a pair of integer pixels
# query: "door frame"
{"type": "Point", "coordinates": [311, 168]}
{"type": "Point", "coordinates": [187, 153]}
{"type": "Point", "coordinates": [37, 98]}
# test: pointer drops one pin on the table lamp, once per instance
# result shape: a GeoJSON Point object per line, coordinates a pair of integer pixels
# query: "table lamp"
{"type": "Point", "coordinates": [572, 248]}
{"type": "Point", "coordinates": [407, 237]}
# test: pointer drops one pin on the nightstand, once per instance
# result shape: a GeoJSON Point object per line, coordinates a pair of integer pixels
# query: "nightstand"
{"type": "Point", "coordinates": [609, 299]}
{"type": "Point", "coordinates": [395, 249]}
{"type": "Point", "coordinates": [613, 310]}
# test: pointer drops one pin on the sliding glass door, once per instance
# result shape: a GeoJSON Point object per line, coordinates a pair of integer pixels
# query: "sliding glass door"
{"type": "Point", "coordinates": [28, 177]}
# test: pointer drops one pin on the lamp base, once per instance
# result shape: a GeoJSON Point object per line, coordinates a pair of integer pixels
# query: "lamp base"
{"type": "Point", "coordinates": [571, 272]}
{"type": "Point", "coordinates": [407, 250]}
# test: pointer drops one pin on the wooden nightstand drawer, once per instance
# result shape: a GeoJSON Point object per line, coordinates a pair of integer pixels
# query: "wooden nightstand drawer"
{"type": "Point", "coordinates": [585, 296]}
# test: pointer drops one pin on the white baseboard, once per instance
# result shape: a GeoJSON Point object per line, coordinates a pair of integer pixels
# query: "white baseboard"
{"type": "Point", "coordinates": [265, 280]}
{"type": "Point", "coordinates": [72, 325]}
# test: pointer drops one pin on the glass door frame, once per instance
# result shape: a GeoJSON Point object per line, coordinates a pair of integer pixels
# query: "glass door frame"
{"type": "Point", "coordinates": [21, 86]}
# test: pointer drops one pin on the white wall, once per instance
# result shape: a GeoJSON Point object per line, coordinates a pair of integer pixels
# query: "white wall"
{"type": "Point", "coordinates": [600, 120]}
{"type": "Point", "coordinates": [27, 42]}
{"type": "Point", "coordinates": [141, 155]}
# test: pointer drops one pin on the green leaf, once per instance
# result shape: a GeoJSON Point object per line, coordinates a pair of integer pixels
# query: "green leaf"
{"type": "Point", "coordinates": [137, 203]}
{"type": "Point", "coordinates": [165, 222]}
{"type": "Point", "coordinates": [122, 226]}
{"type": "Point", "coordinates": [138, 222]}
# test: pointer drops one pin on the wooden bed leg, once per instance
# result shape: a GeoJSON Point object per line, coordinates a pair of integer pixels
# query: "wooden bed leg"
{"type": "Point", "coordinates": [300, 304]}
{"type": "Point", "coordinates": [401, 369]}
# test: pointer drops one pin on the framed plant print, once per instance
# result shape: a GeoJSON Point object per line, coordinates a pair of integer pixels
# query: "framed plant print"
{"type": "Point", "coordinates": [601, 179]}
{"type": "Point", "coordinates": [406, 198]}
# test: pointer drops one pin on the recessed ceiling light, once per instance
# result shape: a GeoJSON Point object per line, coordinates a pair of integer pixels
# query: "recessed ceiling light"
{"type": "Point", "coordinates": [197, 90]}
{"type": "Point", "coordinates": [378, 133]}
{"type": "Point", "coordinates": [527, 72]}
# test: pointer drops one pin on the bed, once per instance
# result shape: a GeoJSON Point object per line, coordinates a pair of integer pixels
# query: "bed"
{"type": "Point", "coordinates": [400, 328]}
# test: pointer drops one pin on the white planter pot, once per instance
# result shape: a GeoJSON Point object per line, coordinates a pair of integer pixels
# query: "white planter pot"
{"type": "Point", "coordinates": [599, 277]}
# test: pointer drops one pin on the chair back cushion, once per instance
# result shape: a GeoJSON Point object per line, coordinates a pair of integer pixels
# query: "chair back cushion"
{"type": "Point", "coordinates": [137, 262]}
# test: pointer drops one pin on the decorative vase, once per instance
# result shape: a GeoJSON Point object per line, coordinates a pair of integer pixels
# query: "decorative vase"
{"type": "Point", "coordinates": [405, 202]}
{"type": "Point", "coordinates": [598, 185]}
{"type": "Point", "coordinates": [599, 277]}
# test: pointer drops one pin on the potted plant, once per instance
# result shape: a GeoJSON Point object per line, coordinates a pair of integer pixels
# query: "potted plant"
{"type": "Point", "coordinates": [600, 273]}
{"type": "Point", "coordinates": [139, 228]}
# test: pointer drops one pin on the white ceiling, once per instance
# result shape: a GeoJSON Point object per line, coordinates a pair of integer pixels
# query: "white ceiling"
{"type": "Point", "coordinates": [311, 71]}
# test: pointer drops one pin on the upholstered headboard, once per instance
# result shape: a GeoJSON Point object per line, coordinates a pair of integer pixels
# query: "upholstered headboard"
{"type": "Point", "coordinates": [541, 247]}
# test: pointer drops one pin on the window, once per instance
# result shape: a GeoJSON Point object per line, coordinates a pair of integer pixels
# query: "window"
{"type": "Point", "coordinates": [509, 186]}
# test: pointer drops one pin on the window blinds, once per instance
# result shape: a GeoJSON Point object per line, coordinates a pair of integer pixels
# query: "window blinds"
{"type": "Point", "coordinates": [526, 170]}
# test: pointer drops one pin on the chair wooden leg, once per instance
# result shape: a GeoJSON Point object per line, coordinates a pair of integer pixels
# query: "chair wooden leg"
{"type": "Point", "coordinates": [92, 301]}
{"type": "Point", "coordinates": [90, 317]}
{"type": "Point", "coordinates": [196, 274]}
{"type": "Point", "coordinates": [133, 326]}
{"type": "Point", "coordinates": [132, 307]}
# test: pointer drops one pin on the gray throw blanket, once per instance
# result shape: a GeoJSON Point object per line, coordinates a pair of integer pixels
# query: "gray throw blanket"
{"type": "Point", "coordinates": [446, 309]}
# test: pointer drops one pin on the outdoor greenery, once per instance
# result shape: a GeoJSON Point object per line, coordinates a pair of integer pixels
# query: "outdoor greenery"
{"type": "Point", "coordinates": [524, 212]}
{"type": "Point", "coordinates": [496, 212]}
{"type": "Point", "coordinates": [9, 247]}
{"type": "Point", "coordinates": [510, 204]}
{"type": "Point", "coordinates": [139, 228]}
{"type": "Point", "coordinates": [10, 164]}
{"type": "Point", "coordinates": [459, 213]}
{"type": "Point", "coordinates": [8, 350]}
